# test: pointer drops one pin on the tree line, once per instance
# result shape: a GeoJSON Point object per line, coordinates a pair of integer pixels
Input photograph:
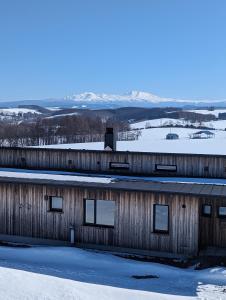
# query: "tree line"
{"type": "Point", "coordinates": [47, 131]}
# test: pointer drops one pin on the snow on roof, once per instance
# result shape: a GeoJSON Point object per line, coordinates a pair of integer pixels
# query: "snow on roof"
{"type": "Point", "coordinates": [100, 178]}
{"type": "Point", "coordinates": [13, 173]}
{"type": "Point", "coordinates": [185, 186]}
{"type": "Point", "coordinates": [204, 132]}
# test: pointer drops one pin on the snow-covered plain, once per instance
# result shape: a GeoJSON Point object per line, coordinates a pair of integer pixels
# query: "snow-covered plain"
{"type": "Point", "coordinates": [75, 274]}
{"type": "Point", "coordinates": [214, 112]}
{"type": "Point", "coordinates": [158, 123]}
{"type": "Point", "coordinates": [218, 124]}
{"type": "Point", "coordinates": [63, 115]}
{"type": "Point", "coordinates": [153, 140]}
{"type": "Point", "coordinates": [16, 111]}
{"type": "Point", "coordinates": [54, 108]}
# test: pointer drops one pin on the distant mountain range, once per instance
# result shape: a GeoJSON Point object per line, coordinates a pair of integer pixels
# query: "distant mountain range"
{"type": "Point", "coordinates": [128, 97]}
{"type": "Point", "coordinates": [102, 100]}
{"type": "Point", "coordinates": [138, 98]}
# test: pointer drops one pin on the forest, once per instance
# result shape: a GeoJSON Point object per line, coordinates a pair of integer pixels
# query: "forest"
{"type": "Point", "coordinates": [47, 131]}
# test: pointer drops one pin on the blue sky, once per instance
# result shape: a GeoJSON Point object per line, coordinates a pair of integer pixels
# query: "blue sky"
{"type": "Point", "coordinates": [53, 48]}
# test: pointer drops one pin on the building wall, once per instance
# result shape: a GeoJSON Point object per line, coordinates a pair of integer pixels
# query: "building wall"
{"type": "Point", "coordinates": [212, 229]}
{"type": "Point", "coordinates": [99, 161]}
{"type": "Point", "coordinates": [24, 211]}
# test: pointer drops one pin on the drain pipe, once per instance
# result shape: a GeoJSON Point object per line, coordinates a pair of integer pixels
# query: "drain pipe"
{"type": "Point", "coordinates": [72, 235]}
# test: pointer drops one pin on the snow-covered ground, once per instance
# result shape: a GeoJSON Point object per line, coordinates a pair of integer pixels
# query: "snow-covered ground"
{"type": "Point", "coordinates": [153, 140]}
{"type": "Point", "coordinates": [76, 274]}
{"type": "Point", "coordinates": [16, 111]}
{"type": "Point", "coordinates": [63, 115]}
{"type": "Point", "coordinates": [54, 108]}
{"type": "Point", "coordinates": [218, 124]}
{"type": "Point", "coordinates": [158, 123]}
{"type": "Point", "coordinates": [207, 112]}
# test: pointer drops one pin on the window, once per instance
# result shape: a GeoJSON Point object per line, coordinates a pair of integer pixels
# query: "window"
{"type": "Point", "coordinates": [166, 168]}
{"type": "Point", "coordinates": [89, 211]}
{"type": "Point", "coordinates": [99, 212]}
{"type": "Point", "coordinates": [118, 165]}
{"type": "Point", "coordinates": [56, 204]}
{"type": "Point", "coordinates": [222, 211]}
{"type": "Point", "coordinates": [105, 211]}
{"type": "Point", "coordinates": [161, 218]}
{"type": "Point", "coordinates": [206, 210]}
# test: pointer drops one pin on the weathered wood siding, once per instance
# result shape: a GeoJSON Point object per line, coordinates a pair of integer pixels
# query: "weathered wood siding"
{"type": "Point", "coordinates": [212, 229]}
{"type": "Point", "coordinates": [99, 161]}
{"type": "Point", "coordinates": [24, 211]}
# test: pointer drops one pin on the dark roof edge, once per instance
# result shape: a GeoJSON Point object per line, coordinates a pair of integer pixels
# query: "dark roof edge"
{"type": "Point", "coordinates": [165, 187]}
{"type": "Point", "coordinates": [104, 151]}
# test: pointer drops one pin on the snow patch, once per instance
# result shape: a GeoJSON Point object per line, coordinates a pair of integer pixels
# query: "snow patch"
{"type": "Point", "coordinates": [31, 175]}
{"type": "Point", "coordinates": [11, 111]}
{"type": "Point", "coordinates": [70, 273]}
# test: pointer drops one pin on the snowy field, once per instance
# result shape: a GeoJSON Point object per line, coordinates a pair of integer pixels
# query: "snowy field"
{"type": "Point", "coordinates": [46, 273]}
{"type": "Point", "coordinates": [54, 108]}
{"type": "Point", "coordinates": [157, 123]}
{"type": "Point", "coordinates": [207, 112]}
{"type": "Point", "coordinates": [218, 124]}
{"type": "Point", "coordinates": [63, 115]}
{"type": "Point", "coordinates": [153, 140]}
{"type": "Point", "coordinates": [16, 111]}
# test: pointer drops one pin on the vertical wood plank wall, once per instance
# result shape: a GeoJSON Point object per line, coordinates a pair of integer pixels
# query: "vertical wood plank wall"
{"type": "Point", "coordinates": [212, 229]}
{"type": "Point", "coordinates": [24, 211]}
{"type": "Point", "coordinates": [98, 161]}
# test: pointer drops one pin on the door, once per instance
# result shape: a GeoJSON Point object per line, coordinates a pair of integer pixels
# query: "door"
{"type": "Point", "coordinates": [206, 224]}
{"type": "Point", "coordinates": [212, 223]}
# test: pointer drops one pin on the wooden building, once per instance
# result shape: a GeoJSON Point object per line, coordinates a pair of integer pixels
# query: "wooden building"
{"type": "Point", "coordinates": [172, 136]}
{"type": "Point", "coordinates": [177, 216]}
{"type": "Point", "coordinates": [178, 207]}
{"type": "Point", "coordinates": [115, 162]}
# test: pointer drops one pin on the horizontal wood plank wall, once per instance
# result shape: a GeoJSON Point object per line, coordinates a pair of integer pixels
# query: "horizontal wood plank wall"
{"type": "Point", "coordinates": [24, 211]}
{"type": "Point", "coordinates": [98, 161]}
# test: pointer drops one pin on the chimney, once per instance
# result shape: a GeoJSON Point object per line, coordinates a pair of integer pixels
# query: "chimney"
{"type": "Point", "coordinates": [109, 140]}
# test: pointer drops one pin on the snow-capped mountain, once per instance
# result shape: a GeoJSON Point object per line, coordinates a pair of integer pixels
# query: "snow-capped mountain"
{"type": "Point", "coordinates": [92, 100]}
{"type": "Point", "coordinates": [135, 98]}
{"type": "Point", "coordinates": [131, 96]}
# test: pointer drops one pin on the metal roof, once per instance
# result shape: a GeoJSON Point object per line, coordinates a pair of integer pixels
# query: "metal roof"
{"type": "Point", "coordinates": [204, 131]}
{"type": "Point", "coordinates": [203, 188]}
